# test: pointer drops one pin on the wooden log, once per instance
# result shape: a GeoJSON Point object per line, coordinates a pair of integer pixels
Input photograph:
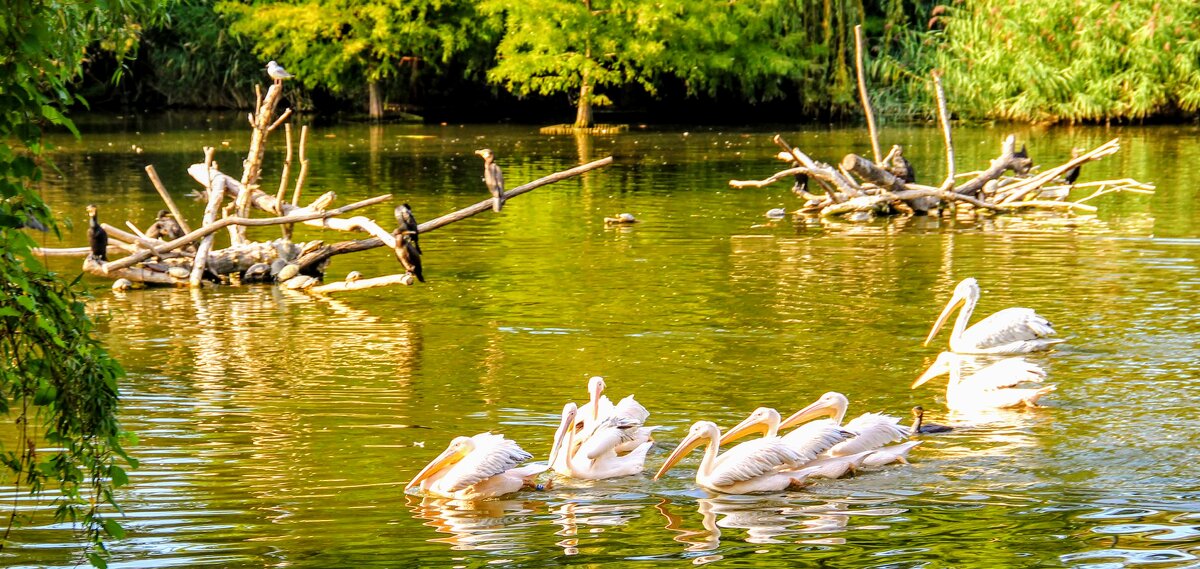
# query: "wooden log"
{"type": "Point", "coordinates": [135, 274]}
{"type": "Point", "coordinates": [210, 215]}
{"type": "Point", "coordinates": [206, 232]}
{"type": "Point", "coordinates": [944, 119]}
{"type": "Point", "coordinates": [862, 93]}
{"type": "Point", "coordinates": [998, 167]}
{"type": "Point", "coordinates": [822, 172]}
{"type": "Point", "coordinates": [73, 251]}
{"type": "Point", "coordinates": [252, 168]}
{"type": "Point", "coordinates": [1020, 190]}
{"type": "Point", "coordinates": [162, 191]}
{"type": "Point", "coordinates": [314, 258]}
{"type": "Point", "coordinates": [241, 257]}
{"type": "Point", "coordinates": [362, 284]}
{"type": "Point", "coordinates": [871, 172]}
{"type": "Point", "coordinates": [268, 203]}
{"type": "Point", "coordinates": [788, 174]}
{"type": "Point", "coordinates": [142, 245]}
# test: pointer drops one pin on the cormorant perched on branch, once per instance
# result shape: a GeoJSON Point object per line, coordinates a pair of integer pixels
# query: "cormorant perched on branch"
{"type": "Point", "coordinates": [1021, 162]}
{"type": "Point", "coordinates": [97, 238]}
{"type": "Point", "coordinates": [407, 224]}
{"type": "Point", "coordinates": [920, 427]}
{"type": "Point", "coordinates": [1073, 173]}
{"type": "Point", "coordinates": [493, 177]}
{"type": "Point", "coordinates": [901, 167]}
{"type": "Point", "coordinates": [165, 227]}
{"type": "Point", "coordinates": [800, 187]}
{"type": "Point", "coordinates": [407, 252]}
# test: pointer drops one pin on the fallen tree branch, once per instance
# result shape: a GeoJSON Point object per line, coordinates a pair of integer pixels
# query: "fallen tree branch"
{"type": "Point", "coordinates": [361, 284]}
{"type": "Point", "coordinates": [774, 178]}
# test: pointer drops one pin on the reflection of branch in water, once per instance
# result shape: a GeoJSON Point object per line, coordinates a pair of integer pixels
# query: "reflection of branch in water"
{"type": "Point", "coordinates": [570, 529]}
{"type": "Point", "coordinates": [487, 525]}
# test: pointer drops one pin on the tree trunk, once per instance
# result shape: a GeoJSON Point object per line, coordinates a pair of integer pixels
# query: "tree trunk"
{"type": "Point", "coordinates": [375, 105]}
{"type": "Point", "coordinates": [583, 116]}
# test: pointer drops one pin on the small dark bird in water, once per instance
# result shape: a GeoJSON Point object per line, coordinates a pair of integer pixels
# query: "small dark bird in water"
{"type": "Point", "coordinates": [406, 252]}
{"type": "Point", "coordinates": [493, 177]}
{"type": "Point", "coordinates": [1021, 164]}
{"type": "Point", "coordinates": [97, 238]}
{"type": "Point", "coordinates": [901, 167]}
{"type": "Point", "coordinates": [407, 224]}
{"type": "Point", "coordinates": [165, 227]}
{"type": "Point", "coordinates": [1073, 173]}
{"type": "Point", "coordinates": [920, 427]}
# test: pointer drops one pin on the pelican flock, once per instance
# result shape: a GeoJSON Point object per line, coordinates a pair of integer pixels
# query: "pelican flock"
{"type": "Point", "coordinates": [600, 440]}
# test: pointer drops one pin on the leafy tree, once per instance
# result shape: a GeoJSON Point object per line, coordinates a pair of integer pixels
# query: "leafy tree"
{"type": "Point", "coordinates": [766, 49]}
{"type": "Point", "coordinates": [57, 383]}
{"type": "Point", "coordinates": [339, 44]}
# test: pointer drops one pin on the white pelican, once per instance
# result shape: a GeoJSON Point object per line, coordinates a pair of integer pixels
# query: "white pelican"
{"type": "Point", "coordinates": [631, 414]}
{"type": "Point", "coordinates": [871, 430]}
{"type": "Point", "coordinates": [478, 467]}
{"type": "Point", "coordinates": [990, 387]}
{"type": "Point", "coordinates": [595, 458]}
{"type": "Point", "coordinates": [760, 465]}
{"type": "Point", "coordinates": [1010, 331]}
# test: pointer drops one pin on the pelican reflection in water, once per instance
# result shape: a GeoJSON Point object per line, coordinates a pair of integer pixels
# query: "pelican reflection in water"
{"type": "Point", "coordinates": [1009, 331]}
{"type": "Point", "coordinates": [484, 525]}
{"type": "Point", "coordinates": [992, 387]}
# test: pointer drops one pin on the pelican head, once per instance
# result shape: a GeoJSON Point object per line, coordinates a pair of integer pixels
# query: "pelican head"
{"type": "Point", "coordinates": [595, 390]}
{"type": "Point", "coordinates": [763, 420]}
{"type": "Point", "coordinates": [967, 291]}
{"type": "Point", "coordinates": [486, 153]}
{"type": "Point", "coordinates": [940, 366]}
{"type": "Point", "coordinates": [832, 404]}
{"type": "Point", "coordinates": [459, 448]}
{"type": "Point", "coordinates": [700, 432]}
{"type": "Point", "coordinates": [565, 427]}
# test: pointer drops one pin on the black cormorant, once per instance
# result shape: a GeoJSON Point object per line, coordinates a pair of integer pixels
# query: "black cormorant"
{"type": "Point", "coordinates": [97, 238]}
{"type": "Point", "coordinates": [1073, 173]}
{"type": "Point", "coordinates": [407, 224]}
{"type": "Point", "coordinates": [1021, 163]}
{"type": "Point", "coordinates": [493, 177]}
{"type": "Point", "coordinates": [920, 427]}
{"type": "Point", "coordinates": [407, 253]}
{"type": "Point", "coordinates": [800, 187]}
{"type": "Point", "coordinates": [901, 167]}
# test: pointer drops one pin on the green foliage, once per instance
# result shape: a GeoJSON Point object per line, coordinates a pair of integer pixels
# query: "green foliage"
{"type": "Point", "coordinates": [193, 59]}
{"type": "Point", "coordinates": [1065, 60]}
{"type": "Point", "coordinates": [56, 381]}
{"type": "Point", "coordinates": [762, 50]}
{"type": "Point", "coordinates": [342, 44]}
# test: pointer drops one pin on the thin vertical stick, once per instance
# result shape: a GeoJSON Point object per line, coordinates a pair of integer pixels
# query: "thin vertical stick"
{"type": "Point", "coordinates": [944, 118]}
{"type": "Point", "coordinates": [862, 93]}
{"type": "Point", "coordinates": [210, 216]}
{"type": "Point", "coordinates": [162, 191]}
{"type": "Point", "coordinates": [287, 229]}
{"type": "Point", "coordinates": [287, 167]}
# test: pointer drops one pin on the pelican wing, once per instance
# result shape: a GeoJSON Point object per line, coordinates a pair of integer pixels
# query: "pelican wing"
{"type": "Point", "coordinates": [752, 459]}
{"type": "Point", "coordinates": [871, 431]}
{"type": "Point", "coordinates": [629, 407]}
{"type": "Point", "coordinates": [609, 433]}
{"type": "Point", "coordinates": [815, 437]}
{"type": "Point", "coordinates": [1004, 373]}
{"type": "Point", "coordinates": [492, 455]}
{"type": "Point", "coordinates": [1006, 327]}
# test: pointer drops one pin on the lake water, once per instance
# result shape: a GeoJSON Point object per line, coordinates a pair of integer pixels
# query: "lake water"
{"type": "Point", "coordinates": [278, 430]}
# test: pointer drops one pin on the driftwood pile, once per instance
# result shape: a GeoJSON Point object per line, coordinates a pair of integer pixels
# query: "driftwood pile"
{"type": "Point", "coordinates": [192, 259]}
{"type": "Point", "coordinates": [861, 189]}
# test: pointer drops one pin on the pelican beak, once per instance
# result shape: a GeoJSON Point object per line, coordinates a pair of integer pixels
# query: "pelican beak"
{"type": "Point", "coordinates": [955, 303]}
{"type": "Point", "coordinates": [565, 427]}
{"type": "Point", "coordinates": [597, 391]}
{"type": "Point", "coordinates": [687, 445]}
{"type": "Point", "coordinates": [451, 455]}
{"type": "Point", "coordinates": [816, 409]}
{"type": "Point", "coordinates": [939, 367]}
{"type": "Point", "coordinates": [748, 426]}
